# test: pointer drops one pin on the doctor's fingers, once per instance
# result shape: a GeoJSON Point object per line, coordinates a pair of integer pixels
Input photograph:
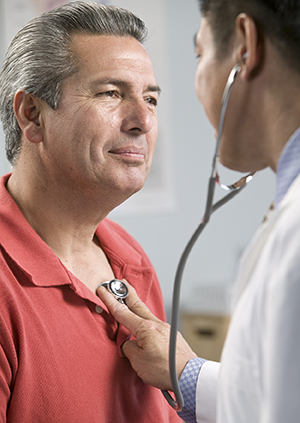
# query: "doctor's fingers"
{"type": "Point", "coordinates": [149, 354]}
{"type": "Point", "coordinates": [130, 319]}
{"type": "Point", "coordinates": [136, 305]}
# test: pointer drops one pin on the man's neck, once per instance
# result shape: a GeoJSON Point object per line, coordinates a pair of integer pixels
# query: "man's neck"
{"type": "Point", "coordinates": [66, 224]}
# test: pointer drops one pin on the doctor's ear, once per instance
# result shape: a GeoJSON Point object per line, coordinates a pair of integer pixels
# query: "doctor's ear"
{"type": "Point", "coordinates": [27, 109]}
{"type": "Point", "coordinates": [250, 45]}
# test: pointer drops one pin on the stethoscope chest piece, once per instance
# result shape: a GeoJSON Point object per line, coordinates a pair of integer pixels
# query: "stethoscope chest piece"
{"type": "Point", "coordinates": [117, 288]}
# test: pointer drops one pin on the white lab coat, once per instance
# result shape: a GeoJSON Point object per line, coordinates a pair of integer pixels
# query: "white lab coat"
{"type": "Point", "coordinates": [259, 378]}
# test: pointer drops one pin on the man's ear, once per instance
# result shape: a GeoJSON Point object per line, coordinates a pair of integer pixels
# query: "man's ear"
{"type": "Point", "coordinates": [27, 109]}
{"type": "Point", "coordinates": [250, 45]}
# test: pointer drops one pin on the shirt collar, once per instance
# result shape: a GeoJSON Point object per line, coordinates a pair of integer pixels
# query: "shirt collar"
{"type": "Point", "coordinates": [288, 166]}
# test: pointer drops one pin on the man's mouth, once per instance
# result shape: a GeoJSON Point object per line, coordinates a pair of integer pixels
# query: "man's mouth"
{"type": "Point", "coordinates": [130, 153]}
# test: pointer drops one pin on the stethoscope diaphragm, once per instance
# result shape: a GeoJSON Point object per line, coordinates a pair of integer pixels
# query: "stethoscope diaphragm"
{"type": "Point", "coordinates": [117, 288]}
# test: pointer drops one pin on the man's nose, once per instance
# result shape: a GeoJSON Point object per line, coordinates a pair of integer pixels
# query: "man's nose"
{"type": "Point", "coordinates": [138, 117]}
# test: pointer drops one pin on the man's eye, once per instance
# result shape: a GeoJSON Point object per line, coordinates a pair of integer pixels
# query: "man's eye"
{"type": "Point", "coordinates": [110, 93]}
{"type": "Point", "coordinates": [151, 100]}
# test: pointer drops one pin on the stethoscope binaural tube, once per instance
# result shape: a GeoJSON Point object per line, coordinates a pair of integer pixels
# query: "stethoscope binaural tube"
{"type": "Point", "coordinates": [209, 210]}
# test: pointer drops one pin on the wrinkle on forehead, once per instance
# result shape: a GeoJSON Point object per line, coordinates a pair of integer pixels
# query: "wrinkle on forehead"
{"type": "Point", "coordinates": [97, 53]}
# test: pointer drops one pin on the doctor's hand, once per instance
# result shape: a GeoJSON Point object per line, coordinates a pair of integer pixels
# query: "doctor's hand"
{"type": "Point", "coordinates": [149, 352]}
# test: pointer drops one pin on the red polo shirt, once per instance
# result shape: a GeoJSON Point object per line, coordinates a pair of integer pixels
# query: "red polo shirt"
{"type": "Point", "coordinates": [59, 347]}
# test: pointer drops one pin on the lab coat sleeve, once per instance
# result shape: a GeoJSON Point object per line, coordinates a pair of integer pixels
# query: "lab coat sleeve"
{"type": "Point", "coordinates": [206, 394]}
{"type": "Point", "coordinates": [281, 331]}
{"type": "Point", "coordinates": [198, 385]}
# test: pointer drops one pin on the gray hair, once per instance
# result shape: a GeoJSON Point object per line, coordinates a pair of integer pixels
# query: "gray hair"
{"type": "Point", "coordinates": [40, 56]}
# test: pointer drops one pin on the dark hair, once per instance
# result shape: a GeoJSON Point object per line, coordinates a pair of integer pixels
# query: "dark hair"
{"type": "Point", "coordinates": [279, 20]}
{"type": "Point", "coordinates": [40, 56]}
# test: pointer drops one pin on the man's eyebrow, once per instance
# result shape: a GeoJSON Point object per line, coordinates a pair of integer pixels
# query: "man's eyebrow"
{"type": "Point", "coordinates": [122, 84]}
{"type": "Point", "coordinates": [154, 88]}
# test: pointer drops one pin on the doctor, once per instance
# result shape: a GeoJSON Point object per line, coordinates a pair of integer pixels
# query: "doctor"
{"type": "Point", "coordinates": [258, 380]}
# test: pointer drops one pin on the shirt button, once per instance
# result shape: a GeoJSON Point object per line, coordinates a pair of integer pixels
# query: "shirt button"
{"type": "Point", "coordinates": [98, 309]}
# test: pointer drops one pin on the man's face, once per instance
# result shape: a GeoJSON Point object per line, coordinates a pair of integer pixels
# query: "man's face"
{"type": "Point", "coordinates": [104, 131]}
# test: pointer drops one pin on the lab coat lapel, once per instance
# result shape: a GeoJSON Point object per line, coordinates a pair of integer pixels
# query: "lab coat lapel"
{"type": "Point", "coordinates": [251, 255]}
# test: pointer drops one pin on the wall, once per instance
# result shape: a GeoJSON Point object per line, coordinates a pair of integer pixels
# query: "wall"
{"type": "Point", "coordinates": [191, 141]}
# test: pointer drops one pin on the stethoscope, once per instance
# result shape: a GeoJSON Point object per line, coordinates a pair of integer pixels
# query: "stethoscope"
{"type": "Point", "coordinates": [210, 208]}
{"type": "Point", "coordinates": [119, 289]}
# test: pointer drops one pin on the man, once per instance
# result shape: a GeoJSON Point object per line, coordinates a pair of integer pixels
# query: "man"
{"type": "Point", "coordinates": [78, 106]}
{"type": "Point", "coordinates": [259, 376]}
